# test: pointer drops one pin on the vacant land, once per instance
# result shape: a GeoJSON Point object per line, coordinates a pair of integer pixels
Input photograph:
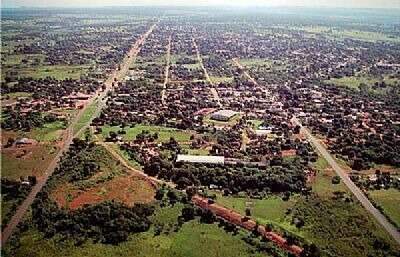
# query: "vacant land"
{"type": "Point", "coordinates": [111, 182]}
{"type": "Point", "coordinates": [389, 200]}
{"type": "Point", "coordinates": [49, 132]}
{"type": "Point", "coordinates": [30, 160]}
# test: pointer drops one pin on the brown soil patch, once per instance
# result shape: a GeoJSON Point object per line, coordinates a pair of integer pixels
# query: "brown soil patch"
{"type": "Point", "coordinates": [125, 189]}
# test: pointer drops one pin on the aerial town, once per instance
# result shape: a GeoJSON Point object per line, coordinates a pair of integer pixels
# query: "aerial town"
{"type": "Point", "coordinates": [198, 132]}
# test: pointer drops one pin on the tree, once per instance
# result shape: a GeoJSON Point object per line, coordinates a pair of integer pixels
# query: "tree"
{"type": "Point", "coordinates": [188, 213]}
{"type": "Point", "coordinates": [248, 212]}
{"type": "Point", "coordinates": [335, 180]}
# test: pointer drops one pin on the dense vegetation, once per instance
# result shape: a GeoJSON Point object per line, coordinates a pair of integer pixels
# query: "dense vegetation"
{"type": "Point", "coordinates": [12, 194]}
{"type": "Point", "coordinates": [338, 227]}
{"type": "Point", "coordinates": [106, 222]}
{"type": "Point", "coordinates": [288, 176]}
{"type": "Point", "coordinates": [15, 120]}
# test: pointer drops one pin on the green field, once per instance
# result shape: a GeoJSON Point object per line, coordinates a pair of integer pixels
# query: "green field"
{"type": "Point", "coordinates": [355, 81]}
{"type": "Point", "coordinates": [49, 132]}
{"type": "Point", "coordinates": [323, 182]}
{"type": "Point", "coordinates": [86, 116]}
{"type": "Point", "coordinates": [349, 34]}
{"type": "Point", "coordinates": [164, 133]}
{"type": "Point", "coordinates": [332, 224]}
{"type": "Point", "coordinates": [256, 62]}
{"type": "Point", "coordinates": [15, 59]}
{"type": "Point", "coordinates": [389, 200]}
{"type": "Point", "coordinates": [33, 163]}
{"type": "Point", "coordinates": [271, 210]}
{"type": "Point", "coordinates": [57, 71]}
{"type": "Point", "coordinates": [198, 151]}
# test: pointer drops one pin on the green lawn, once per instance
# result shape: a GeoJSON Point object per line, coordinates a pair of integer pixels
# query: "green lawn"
{"type": "Point", "coordinates": [389, 200]}
{"type": "Point", "coordinates": [164, 133]}
{"type": "Point", "coordinates": [198, 151]}
{"type": "Point", "coordinates": [15, 59]}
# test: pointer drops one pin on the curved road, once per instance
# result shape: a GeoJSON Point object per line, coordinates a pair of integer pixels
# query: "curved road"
{"type": "Point", "coordinates": [20, 212]}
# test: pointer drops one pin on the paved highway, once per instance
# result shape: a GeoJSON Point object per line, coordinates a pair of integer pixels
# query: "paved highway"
{"type": "Point", "coordinates": [347, 181]}
{"type": "Point", "coordinates": [340, 172]}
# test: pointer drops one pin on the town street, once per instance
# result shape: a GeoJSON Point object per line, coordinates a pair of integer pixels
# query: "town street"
{"type": "Point", "coordinates": [19, 214]}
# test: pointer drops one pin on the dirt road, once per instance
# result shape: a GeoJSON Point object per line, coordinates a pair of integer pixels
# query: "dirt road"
{"type": "Point", "coordinates": [166, 70]}
{"type": "Point", "coordinates": [347, 181]}
{"type": "Point", "coordinates": [16, 219]}
{"type": "Point", "coordinates": [212, 88]}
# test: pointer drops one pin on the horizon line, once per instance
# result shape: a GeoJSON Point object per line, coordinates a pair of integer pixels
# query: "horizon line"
{"type": "Point", "coordinates": [198, 5]}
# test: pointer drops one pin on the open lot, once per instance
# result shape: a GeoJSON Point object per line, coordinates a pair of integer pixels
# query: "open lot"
{"type": "Point", "coordinates": [389, 200]}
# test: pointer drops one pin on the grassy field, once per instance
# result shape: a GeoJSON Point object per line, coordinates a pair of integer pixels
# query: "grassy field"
{"type": "Point", "coordinates": [34, 162]}
{"type": "Point", "coordinates": [389, 200]}
{"type": "Point", "coordinates": [49, 132]}
{"type": "Point", "coordinates": [323, 181]}
{"type": "Point", "coordinates": [14, 96]}
{"type": "Point", "coordinates": [198, 151]}
{"type": "Point", "coordinates": [164, 133]}
{"type": "Point", "coordinates": [271, 210]}
{"type": "Point", "coordinates": [355, 81]}
{"type": "Point", "coordinates": [15, 59]}
{"type": "Point", "coordinates": [85, 117]}
{"type": "Point", "coordinates": [255, 62]}
{"type": "Point", "coordinates": [217, 79]}
{"type": "Point", "coordinates": [57, 71]}
{"type": "Point", "coordinates": [349, 34]}
{"type": "Point", "coordinates": [333, 224]}
{"type": "Point", "coordinates": [256, 123]}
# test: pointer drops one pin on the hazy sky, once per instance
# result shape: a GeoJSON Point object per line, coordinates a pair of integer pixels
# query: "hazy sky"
{"type": "Point", "coordinates": [97, 3]}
